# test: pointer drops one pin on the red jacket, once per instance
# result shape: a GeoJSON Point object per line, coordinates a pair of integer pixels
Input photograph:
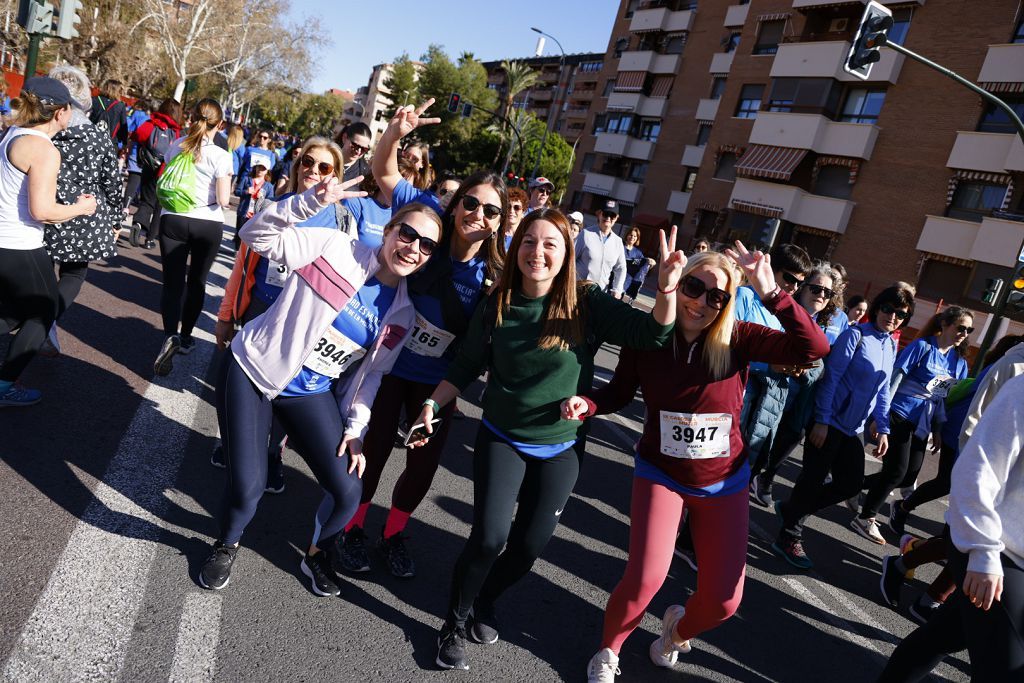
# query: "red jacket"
{"type": "Point", "coordinates": [675, 380]}
{"type": "Point", "coordinates": [159, 120]}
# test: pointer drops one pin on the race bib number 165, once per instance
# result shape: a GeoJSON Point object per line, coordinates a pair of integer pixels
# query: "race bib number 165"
{"type": "Point", "coordinates": [695, 436]}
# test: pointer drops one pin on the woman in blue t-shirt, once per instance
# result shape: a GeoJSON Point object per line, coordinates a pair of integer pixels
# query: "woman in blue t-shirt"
{"type": "Point", "coordinates": [925, 371]}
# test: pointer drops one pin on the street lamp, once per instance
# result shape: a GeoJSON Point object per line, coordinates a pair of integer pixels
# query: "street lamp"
{"type": "Point", "coordinates": [561, 67]}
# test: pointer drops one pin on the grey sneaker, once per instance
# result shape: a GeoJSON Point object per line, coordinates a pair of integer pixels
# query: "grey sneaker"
{"type": "Point", "coordinates": [164, 362]}
{"type": "Point", "coordinates": [868, 528]}
{"type": "Point", "coordinates": [352, 555]}
{"type": "Point", "coordinates": [397, 556]}
{"type": "Point", "coordinates": [483, 628]}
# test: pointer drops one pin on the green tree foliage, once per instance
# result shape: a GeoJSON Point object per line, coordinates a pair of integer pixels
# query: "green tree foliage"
{"type": "Point", "coordinates": [556, 160]}
{"type": "Point", "coordinates": [318, 115]}
{"type": "Point", "coordinates": [402, 80]}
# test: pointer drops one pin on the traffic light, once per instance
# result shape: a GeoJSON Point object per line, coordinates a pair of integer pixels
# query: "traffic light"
{"type": "Point", "coordinates": [453, 102]}
{"type": "Point", "coordinates": [35, 17]}
{"type": "Point", "coordinates": [467, 110]}
{"type": "Point", "coordinates": [1015, 299]}
{"type": "Point", "coordinates": [872, 34]}
{"type": "Point", "coordinates": [993, 288]}
{"type": "Point", "coordinates": [67, 17]}
{"type": "Point", "coordinates": [766, 234]}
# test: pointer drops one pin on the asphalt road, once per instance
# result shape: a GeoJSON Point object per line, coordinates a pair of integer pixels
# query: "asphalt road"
{"type": "Point", "coordinates": [109, 504]}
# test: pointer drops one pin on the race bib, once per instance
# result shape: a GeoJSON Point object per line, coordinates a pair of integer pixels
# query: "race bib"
{"type": "Point", "coordinates": [333, 354]}
{"type": "Point", "coordinates": [939, 387]}
{"type": "Point", "coordinates": [428, 339]}
{"type": "Point", "coordinates": [277, 273]}
{"type": "Point", "coordinates": [695, 436]}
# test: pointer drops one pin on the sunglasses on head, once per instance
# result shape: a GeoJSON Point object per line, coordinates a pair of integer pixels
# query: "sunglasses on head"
{"type": "Point", "coordinates": [716, 298]}
{"type": "Point", "coordinates": [322, 167]}
{"type": "Point", "coordinates": [889, 309]}
{"type": "Point", "coordinates": [408, 234]}
{"type": "Point", "coordinates": [819, 290]}
{"type": "Point", "coordinates": [470, 203]}
{"type": "Point", "coordinates": [964, 329]}
{"type": "Point", "coordinates": [792, 279]}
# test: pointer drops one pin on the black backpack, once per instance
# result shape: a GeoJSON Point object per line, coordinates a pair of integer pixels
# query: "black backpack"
{"type": "Point", "coordinates": [153, 152]}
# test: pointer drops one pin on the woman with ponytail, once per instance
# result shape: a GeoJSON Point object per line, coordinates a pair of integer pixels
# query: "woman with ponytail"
{"type": "Point", "coordinates": [189, 239]}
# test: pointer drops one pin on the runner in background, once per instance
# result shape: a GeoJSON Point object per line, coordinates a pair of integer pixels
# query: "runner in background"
{"type": "Point", "coordinates": [110, 112]}
{"type": "Point", "coordinates": [141, 113]}
{"type": "Point", "coordinates": [153, 140]}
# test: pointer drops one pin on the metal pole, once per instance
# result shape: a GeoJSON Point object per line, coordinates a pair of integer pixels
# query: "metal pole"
{"type": "Point", "coordinates": [33, 54]}
{"type": "Point", "coordinates": [999, 309]}
{"type": "Point", "coordinates": [558, 83]}
{"type": "Point", "coordinates": [510, 125]}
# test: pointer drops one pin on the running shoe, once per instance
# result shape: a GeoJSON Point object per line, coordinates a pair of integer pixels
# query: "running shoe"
{"type": "Point", "coordinates": [868, 528]}
{"type": "Point", "coordinates": [761, 491]}
{"type": "Point", "coordinates": [664, 651]}
{"type": "Point", "coordinates": [135, 239]}
{"type": "Point", "coordinates": [217, 457]}
{"type": "Point", "coordinates": [216, 571]}
{"type": "Point", "coordinates": [150, 244]}
{"type": "Point", "coordinates": [907, 543]}
{"type": "Point", "coordinates": [603, 667]}
{"type": "Point", "coordinates": [164, 362]}
{"type": "Point", "coordinates": [275, 472]}
{"type": "Point", "coordinates": [898, 517]}
{"type": "Point", "coordinates": [352, 555]}
{"type": "Point", "coordinates": [483, 627]}
{"type": "Point", "coordinates": [891, 582]}
{"type": "Point", "coordinates": [792, 551]}
{"type": "Point", "coordinates": [323, 580]}
{"type": "Point", "coordinates": [451, 648]}
{"type": "Point", "coordinates": [18, 396]}
{"type": "Point", "coordinates": [188, 345]}
{"type": "Point", "coordinates": [923, 609]}
{"type": "Point", "coordinates": [397, 556]}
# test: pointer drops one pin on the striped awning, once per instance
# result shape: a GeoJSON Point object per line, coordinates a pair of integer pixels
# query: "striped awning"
{"type": "Point", "coordinates": [758, 208]}
{"type": "Point", "coordinates": [981, 177]}
{"type": "Point", "coordinates": [769, 161]}
{"type": "Point", "coordinates": [852, 164]}
{"type": "Point", "coordinates": [774, 16]}
{"type": "Point", "coordinates": [662, 85]}
{"type": "Point", "coordinates": [1003, 86]}
{"type": "Point", "coordinates": [630, 81]}
{"type": "Point", "coordinates": [708, 206]}
{"type": "Point", "coordinates": [705, 122]}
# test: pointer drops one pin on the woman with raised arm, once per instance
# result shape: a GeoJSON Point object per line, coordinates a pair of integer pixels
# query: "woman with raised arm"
{"type": "Point", "coordinates": [691, 453]}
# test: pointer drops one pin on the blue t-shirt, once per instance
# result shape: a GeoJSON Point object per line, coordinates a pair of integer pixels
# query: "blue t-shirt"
{"type": "Point", "coordinates": [836, 326]}
{"type": "Point", "coordinates": [414, 363]}
{"type": "Point", "coordinates": [406, 193]}
{"type": "Point", "coordinates": [540, 451]}
{"type": "Point", "coordinates": [733, 484]}
{"type": "Point", "coordinates": [359, 324]}
{"type": "Point", "coordinates": [267, 289]}
{"type": "Point", "coordinates": [956, 414]}
{"type": "Point", "coordinates": [371, 216]}
{"type": "Point", "coordinates": [508, 241]}
{"type": "Point", "coordinates": [749, 308]}
{"type": "Point", "coordinates": [924, 364]}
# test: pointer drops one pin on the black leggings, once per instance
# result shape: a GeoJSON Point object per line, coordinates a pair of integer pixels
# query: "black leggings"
{"type": "Point", "coordinates": [500, 476]}
{"type": "Point", "coordinates": [420, 464]}
{"type": "Point", "coordinates": [900, 466]}
{"type": "Point", "coordinates": [994, 639]}
{"type": "Point", "coordinates": [72, 277]}
{"type": "Point", "coordinates": [841, 454]}
{"type": "Point", "coordinates": [132, 186]}
{"type": "Point", "coordinates": [315, 427]}
{"type": "Point", "coordinates": [936, 488]}
{"type": "Point", "coordinates": [147, 216]}
{"type": "Point", "coordinates": [181, 237]}
{"type": "Point", "coordinates": [785, 442]}
{"type": "Point", "coordinates": [28, 302]}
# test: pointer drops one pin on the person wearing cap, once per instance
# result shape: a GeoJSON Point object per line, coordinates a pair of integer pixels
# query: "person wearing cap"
{"type": "Point", "coordinates": [29, 166]}
{"type": "Point", "coordinates": [257, 186]}
{"type": "Point", "coordinates": [600, 254]}
{"type": "Point", "coordinates": [541, 190]}
{"type": "Point", "coordinates": [575, 225]}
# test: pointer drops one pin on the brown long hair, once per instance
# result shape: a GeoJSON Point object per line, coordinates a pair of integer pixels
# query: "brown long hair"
{"type": "Point", "coordinates": [564, 323]}
{"type": "Point", "coordinates": [206, 116]}
{"type": "Point", "coordinates": [946, 317]}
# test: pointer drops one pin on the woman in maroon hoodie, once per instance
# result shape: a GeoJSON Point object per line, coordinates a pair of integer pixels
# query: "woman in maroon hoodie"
{"type": "Point", "coordinates": [153, 138]}
{"type": "Point", "coordinates": [691, 454]}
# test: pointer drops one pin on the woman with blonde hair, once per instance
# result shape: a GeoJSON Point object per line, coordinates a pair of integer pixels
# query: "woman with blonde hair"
{"type": "Point", "coordinates": [189, 240]}
{"type": "Point", "coordinates": [691, 454]}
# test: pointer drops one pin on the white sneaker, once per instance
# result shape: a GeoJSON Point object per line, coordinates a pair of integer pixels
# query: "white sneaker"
{"type": "Point", "coordinates": [603, 667]}
{"type": "Point", "coordinates": [868, 528]}
{"type": "Point", "coordinates": [664, 652]}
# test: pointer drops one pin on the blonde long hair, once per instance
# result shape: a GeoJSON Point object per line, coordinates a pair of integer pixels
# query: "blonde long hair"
{"type": "Point", "coordinates": [207, 115]}
{"type": "Point", "coordinates": [717, 353]}
{"type": "Point", "coordinates": [316, 142]}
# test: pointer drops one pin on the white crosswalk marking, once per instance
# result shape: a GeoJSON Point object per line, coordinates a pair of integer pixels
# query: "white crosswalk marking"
{"type": "Point", "coordinates": [195, 653]}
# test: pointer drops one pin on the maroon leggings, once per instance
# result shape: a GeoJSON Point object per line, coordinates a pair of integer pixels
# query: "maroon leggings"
{"type": "Point", "coordinates": [719, 527]}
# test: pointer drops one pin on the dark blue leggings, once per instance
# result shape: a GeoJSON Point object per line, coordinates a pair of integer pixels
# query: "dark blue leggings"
{"type": "Point", "coordinates": [315, 430]}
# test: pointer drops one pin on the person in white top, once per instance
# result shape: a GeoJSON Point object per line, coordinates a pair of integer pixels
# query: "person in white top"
{"type": "Point", "coordinates": [29, 164]}
{"type": "Point", "coordinates": [600, 254]}
{"type": "Point", "coordinates": [189, 240]}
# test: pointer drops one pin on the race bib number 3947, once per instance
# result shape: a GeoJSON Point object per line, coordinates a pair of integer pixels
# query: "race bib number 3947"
{"type": "Point", "coordinates": [695, 436]}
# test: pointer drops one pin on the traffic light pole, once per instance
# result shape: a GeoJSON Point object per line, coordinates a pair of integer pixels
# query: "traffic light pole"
{"type": "Point", "coordinates": [33, 54]}
{"type": "Point", "coordinates": [999, 309]}
{"type": "Point", "coordinates": [522, 154]}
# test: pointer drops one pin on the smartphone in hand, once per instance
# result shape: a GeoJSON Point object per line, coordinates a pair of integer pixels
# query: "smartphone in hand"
{"type": "Point", "coordinates": [418, 432]}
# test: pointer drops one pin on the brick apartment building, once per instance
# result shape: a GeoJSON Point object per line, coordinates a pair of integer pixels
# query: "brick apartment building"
{"type": "Point", "coordinates": [562, 97]}
{"type": "Point", "coordinates": [905, 176]}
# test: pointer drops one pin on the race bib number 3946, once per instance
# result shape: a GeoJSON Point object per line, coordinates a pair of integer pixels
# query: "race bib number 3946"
{"type": "Point", "coordinates": [333, 354]}
{"type": "Point", "coordinates": [695, 436]}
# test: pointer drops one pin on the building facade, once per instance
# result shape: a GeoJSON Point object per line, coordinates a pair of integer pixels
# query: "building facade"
{"type": "Point", "coordinates": [903, 176]}
{"type": "Point", "coordinates": [372, 101]}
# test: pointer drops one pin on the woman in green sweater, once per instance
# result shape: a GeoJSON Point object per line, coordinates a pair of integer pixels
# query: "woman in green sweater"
{"type": "Point", "coordinates": [537, 336]}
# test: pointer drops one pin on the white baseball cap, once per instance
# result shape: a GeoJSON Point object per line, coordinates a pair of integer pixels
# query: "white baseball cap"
{"type": "Point", "coordinates": [576, 217]}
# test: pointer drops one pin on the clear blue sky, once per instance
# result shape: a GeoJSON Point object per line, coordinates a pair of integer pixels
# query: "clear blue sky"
{"type": "Point", "coordinates": [368, 32]}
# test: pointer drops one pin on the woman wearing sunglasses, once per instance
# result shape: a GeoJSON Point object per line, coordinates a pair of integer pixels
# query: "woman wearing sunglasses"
{"type": "Point", "coordinates": [517, 200]}
{"type": "Point", "coordinates": [691, 454]}
{"type": "Point", "coordinates": [854, 387]}
{"type": "Point", "coordinates": [445, 294]}
{"type": "Point", "coordinates": [925, 372]}
{"type": "Point", "coordinates": [333, 332]}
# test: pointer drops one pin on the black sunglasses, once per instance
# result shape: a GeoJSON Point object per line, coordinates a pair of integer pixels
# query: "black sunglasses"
{"type": "Point", "coordinates": [792, 279]}
{"type": "Point", "coordinates": [470, 203]}
{"type": "Point", "coordinates": [322, 167]}
{"type": "Point", "coordinates": [408, 234]}
{"type": "Point", "coordinates": [889, 309]}
{"type": "Point", "coordinates": [444, 192]}
{"type": "Point", "coordinates": [359, 148]}
{"type": "Point", "coordinates": [819, 290]}
{"type": "Point", "coordinates": [693, 287]}
{"type": "Point", "coordinates": [963, 329]}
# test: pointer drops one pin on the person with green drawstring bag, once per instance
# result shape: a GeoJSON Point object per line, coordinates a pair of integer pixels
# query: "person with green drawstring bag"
{"type": "Point", "coordinates": [175, 188]}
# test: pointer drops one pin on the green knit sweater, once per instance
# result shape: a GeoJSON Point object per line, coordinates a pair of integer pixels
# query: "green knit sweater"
{"type": "Point", "coordinates": [527, 385]}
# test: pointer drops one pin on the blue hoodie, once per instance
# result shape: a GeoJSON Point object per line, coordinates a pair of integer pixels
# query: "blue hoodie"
{"type": "Point", "coordinates": [856, 381]}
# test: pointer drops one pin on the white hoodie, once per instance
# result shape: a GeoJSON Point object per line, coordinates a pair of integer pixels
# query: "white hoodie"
{"type": "Point", "coordinates": [1006, 368]}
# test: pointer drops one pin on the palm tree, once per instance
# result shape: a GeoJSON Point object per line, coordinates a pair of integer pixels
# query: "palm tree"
{"type": "Point", "coordinates": [519, 76]}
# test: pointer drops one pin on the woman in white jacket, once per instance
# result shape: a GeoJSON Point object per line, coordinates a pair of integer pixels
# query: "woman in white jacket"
{"type": "Point", "coordinates": [333, 332]}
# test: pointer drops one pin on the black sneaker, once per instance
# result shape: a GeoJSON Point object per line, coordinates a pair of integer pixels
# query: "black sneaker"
{"type": "Point", "coordinates": [217, 457]}
{"type": "Point", "coordinates": [188, 345]}
{"type": "Point", "coordinates": [275, 472]}
{"type": "Point", "coordinates": [761, 491]}
{"type": "Point", "coordinates": [898, 517]}
{"type": "Point", "coordinates": [149, 244]}
{"type": "Point", "coordinates": [792, 551]}
{"type": "Point", "coordinates": [323, 580]}
{"type": "Point", "coordinates": [923, 609]}
{"type": "Point", "coordinates": [216, 572]}
{"type": "Point", "coordinates": [164, 362]}
{"type": "Point", "coordinates": [351, 552]}
{"type": "Point", "coordinates": [451, 648]}
{"type": "Point", "coordinates": [397, 556]}
{"type": "Point", "coordinates": [891, 582]}
{"type": "Point", "coordinates": [135, 238]}
{"type": "Point", "coordinates": [483, 627]}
